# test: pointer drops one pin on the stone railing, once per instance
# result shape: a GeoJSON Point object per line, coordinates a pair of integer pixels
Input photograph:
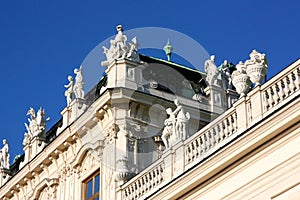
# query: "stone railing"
{"type": "Point", "coordinates": [281, 88]}
{"type": "Point", "coordinates": [246, 112]}
{"type": "Point", "coordinates": [144, 183]}
{"type": "Point", "coordinates": [210, 138]}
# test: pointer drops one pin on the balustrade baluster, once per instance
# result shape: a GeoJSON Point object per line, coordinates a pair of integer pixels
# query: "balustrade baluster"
{"type": "Point", "coordinates": [286, 88]}
{"type": "Point", "coordinates": [291, 78]}
{"type": "Point", "coordinates": [297, 78]}
{"type": "Point", "coordinates": [270, 99]}
{"type": "Point", "coordinates": [217, 136]}
{"type": "Point", "coordinates": [275, 93]}
{"type": "Point", "coordinates": [221, 131]}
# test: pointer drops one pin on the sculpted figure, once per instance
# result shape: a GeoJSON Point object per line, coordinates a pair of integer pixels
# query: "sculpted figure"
{"type": "Point", "coordinates": [212, 71]}
{"type": "Point", "coordinates": [168, 131]}
{"type": "Point", "coordinates": [79, 82]}
{"type": "Point", "coordinates": [181, 121]}
{"type": "Point", "coordinates": [70, 90]}
{"type": "Point", "coordinates": [4, 157]}
{"type": "Point", "coordinates": [226, 76]}
{"type": "Point", "coordinates": [119, 49]}
{"type": "Point", "coordinates": [37, 124]}
{"type": "Point", "coordinates": [175, 126]}
{"type": "Point", "coordinates": [120, 42]}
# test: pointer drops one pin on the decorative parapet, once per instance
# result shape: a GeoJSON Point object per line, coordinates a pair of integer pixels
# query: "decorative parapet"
{"type": "Point", "coordinates": [283, 86]}
{"type": "Point", "coordinates": [144, 183]}
{"type": "Point", "coordinates": [245, 113]}
{"type": "Point", "coordinates": [212, 137]}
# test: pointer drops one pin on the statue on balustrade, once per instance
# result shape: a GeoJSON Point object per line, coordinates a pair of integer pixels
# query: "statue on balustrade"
{"type": "Point", "coordinates": [4, 155]}
{"type": "Point", "coordinates": [79, 83]}
{"type": "Point", "coordinates": [119, 49]}
{"type": "Point", "coordinates": [70, 90]}
{"type": "Point", "coordinates": [176, 128]}
{"type": "Point", "coordinates": [212, 72]}
{"type": "Point", "coordinates": [37, 124]}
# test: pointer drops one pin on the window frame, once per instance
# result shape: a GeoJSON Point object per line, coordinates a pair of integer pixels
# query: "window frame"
{"type": "Point", "coordinates": [85, 186]}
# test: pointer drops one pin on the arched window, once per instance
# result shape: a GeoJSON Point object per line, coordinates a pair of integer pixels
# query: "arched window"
{"type": "Point", "coordinates": [91, 187]}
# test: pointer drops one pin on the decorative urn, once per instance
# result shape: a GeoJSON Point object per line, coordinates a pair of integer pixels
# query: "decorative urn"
{"type": "Point", "coordinates": [256, 67]}
{"type": "Point", "coordinates": [122, 174]}
{"type": "Point", "coordinates": [241, 80]}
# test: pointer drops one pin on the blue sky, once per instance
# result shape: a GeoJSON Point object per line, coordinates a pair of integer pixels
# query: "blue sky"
{"type": "Point", "coordinates": [41, 42]}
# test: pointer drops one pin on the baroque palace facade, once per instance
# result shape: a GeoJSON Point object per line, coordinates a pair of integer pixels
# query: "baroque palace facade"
{"type": "Point", "coordinates": [154, 129]}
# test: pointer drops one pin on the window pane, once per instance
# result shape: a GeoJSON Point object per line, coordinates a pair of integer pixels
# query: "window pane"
{"type": "Point", "coordinates": [97, 184]}
{"type": "Point", "coordinates": [89, 189]}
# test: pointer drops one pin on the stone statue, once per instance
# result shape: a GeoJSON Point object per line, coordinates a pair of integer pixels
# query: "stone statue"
{"type": "Point", "coordinates": [119, 49]}
{"type": "Point", "coordinates": [175, 126]}
{"type": "Point", "coordinates": [212, 71]}
{"type": "Point", "coordinates": [181, 121]}
{"type": "Point", "coordinates": [169, 129]}
{"type": "Point", "coordinates": [4, 155]}
{"type": "Point", "coordinates": [226, 75]}
{"type": "Point", "coordinates": [70, 90]}
{"type": "Point", "coordinates": [37, 124]}
{"type": "Point", "coordinates": [79, 82]}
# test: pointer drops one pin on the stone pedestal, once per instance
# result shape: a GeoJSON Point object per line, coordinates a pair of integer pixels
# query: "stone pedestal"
{"type": "Point", "coordinates": [217, 98]}
{"type": "Point", "coordinates": [4, 176]}
{"type": "Point", "coordinates": [32, 148]}
{"type": "Point", "coordinates": [72, 112]}
{"type": "Point", "coordinates": [232, 96]}
{"type": "Point", "coordinates": [241, 112]}
{"type": "Point", "coordinates": [124, 73]}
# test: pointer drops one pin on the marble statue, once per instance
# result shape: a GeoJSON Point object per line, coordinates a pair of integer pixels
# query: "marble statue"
{"type": "Point", "coordinates": [175, 126]}
{"type": "Point", "coordinates": [212, 71]}
{"type": "Point", "coordinates": [226, 75]}
{"type": "Point", "coordinates": [37, 124]}
{"type": "Point", "coordinates": [4, 155]}
{"type": "Point", "coordinates": [182, 119]}
{"type": "Point", "coordinates": [79, 83]}
{"type": "Point", "coordinates": [169, 128]}
{"type": "Point", "coordinates": [119, 49]}
{"type": "Point", "coordinates": [70, 90]}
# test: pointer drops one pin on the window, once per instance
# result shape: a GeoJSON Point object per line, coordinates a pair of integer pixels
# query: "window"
{"type": "Point", "coordinates": [91, 187]}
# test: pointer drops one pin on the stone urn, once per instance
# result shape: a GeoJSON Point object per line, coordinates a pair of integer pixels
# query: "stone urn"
{"type": "Point", "coordinates": [256, 67]}
{"type": "Point", "coordinates": [241, 80]}
{"type": "Point", "coordinates": [122, 174]}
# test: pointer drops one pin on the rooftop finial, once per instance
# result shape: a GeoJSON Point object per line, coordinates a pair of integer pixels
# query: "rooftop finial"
{"type": "Point", "coordinates": [168, 50]}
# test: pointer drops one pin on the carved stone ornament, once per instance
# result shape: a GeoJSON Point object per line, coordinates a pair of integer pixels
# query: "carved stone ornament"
{"type": "Point", "coordinates": [70, 90]}
{"type": "Point", "coordinates": [119, 49]}
{"type": "Point", "coordinates": [256, 67]}
{"type": "Point", "coordinates": [37, 124]}
{"type": "Point", "coordinates": [111, 133]}
{"type": "Point", "coordinates": [122, 174]}
{"type": "Point", "coordinates": [241, 80]}
{"type": "Point", "coordinates": [79, 83]}
{"type": "Point", "coordinates": [4, 155]}
{"type": "Point", "coordinates": [176, 128]}
{"type": "Point", "coordinates": [212, 71]}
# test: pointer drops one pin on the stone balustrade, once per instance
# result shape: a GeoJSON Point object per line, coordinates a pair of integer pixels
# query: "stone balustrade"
{"type": "Point", "coordinates": [144, 183]}
{"type": "Point", "coordinates": [281, 88]}
{"type": "Point", "coordinates": [211, 137]}
{"type": "Point", "coordinates": [246, 112]}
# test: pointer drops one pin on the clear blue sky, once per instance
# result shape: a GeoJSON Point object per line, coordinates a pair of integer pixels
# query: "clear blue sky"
{"type": "Point", "coordinates": [42, 41]}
